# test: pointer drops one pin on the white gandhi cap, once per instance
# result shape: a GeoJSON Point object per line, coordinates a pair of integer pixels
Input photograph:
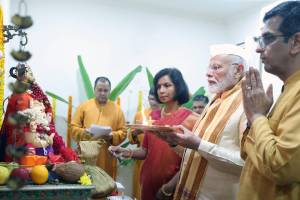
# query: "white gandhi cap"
{"type": "Point", "coordinates": [228, 49]}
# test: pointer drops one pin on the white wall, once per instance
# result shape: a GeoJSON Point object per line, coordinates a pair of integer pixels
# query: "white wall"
{"type": "Point", "coordinates": [246, 25]}
{"type": "Point", "coordinates": [113, 38]}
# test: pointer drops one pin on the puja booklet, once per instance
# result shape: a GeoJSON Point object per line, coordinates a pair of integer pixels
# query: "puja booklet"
{"type": "Point", "coordinates": [98, 130]}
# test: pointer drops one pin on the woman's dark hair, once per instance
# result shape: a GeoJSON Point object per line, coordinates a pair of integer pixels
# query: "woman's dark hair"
{"type": "Point", "coordinates": [181, 89]}
{"type": "Point", "coordinates": [102, 79]}
{"type": "Point", "coordinates": [290, 13]}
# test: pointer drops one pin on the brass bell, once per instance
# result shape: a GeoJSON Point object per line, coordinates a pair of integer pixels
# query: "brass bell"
{"type": "Point", "coordinates": [22, 21]}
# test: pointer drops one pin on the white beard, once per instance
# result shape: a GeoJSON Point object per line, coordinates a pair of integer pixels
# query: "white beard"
{"type": "Point", "coordinates": [227, 82]}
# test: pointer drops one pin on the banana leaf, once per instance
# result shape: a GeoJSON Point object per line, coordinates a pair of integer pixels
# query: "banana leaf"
{"type": "Point", "coordinates": [150, 78]}
{"type": "Point", "coordinates": [126, 144]}
{"type": "Point", "coordinates": [124, 83]}
{"type": "Point", "coordinates": [189, 104]}
{"type": "Point", "coordinates": [86, 79]}
{"type": "Point", "coordinates": [55, 96]}
{"type": "Point", "coordinates": [126, 162]}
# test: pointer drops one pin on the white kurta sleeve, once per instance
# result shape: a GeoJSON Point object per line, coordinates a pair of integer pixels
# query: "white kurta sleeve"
{"type": "Point", "coordinates": [215, 153]}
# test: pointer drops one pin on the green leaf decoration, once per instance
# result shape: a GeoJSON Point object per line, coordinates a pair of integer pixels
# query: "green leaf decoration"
{"type": "Point", "coordinates": [126, 144]}
{"type": "Point", "coordinates": [55, 96]}
{"type": "Point", "coordinates": [189, 104]}
{"type": "Point", "coordinates": [86, 79]}
{"type": "Point", "coordinates": [124, 83]}
{"type": "Point", "coordinates": [126, 162]}
{"type": "Point", "coordinates": [150, 78]}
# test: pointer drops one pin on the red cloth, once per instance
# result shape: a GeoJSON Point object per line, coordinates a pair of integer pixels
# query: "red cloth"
{"type": "Point", "coordinates": [161, 163]}
{"type": "Point", "coordinates": [14, 133]}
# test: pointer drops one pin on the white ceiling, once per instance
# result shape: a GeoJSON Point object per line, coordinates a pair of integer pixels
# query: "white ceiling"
{"type": "Point", "coordinates": [217, 9]}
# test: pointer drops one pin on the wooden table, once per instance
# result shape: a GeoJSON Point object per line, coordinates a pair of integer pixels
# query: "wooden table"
{"type": "Point", "coordinates": [47, 192]}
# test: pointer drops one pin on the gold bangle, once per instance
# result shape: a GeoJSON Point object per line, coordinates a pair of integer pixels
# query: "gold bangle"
{"type": "Point", "coordinates": [164, 192]}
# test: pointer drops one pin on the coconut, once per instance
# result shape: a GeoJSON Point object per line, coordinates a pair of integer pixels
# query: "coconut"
{"type": "Point", "coordinates": [70, 171]}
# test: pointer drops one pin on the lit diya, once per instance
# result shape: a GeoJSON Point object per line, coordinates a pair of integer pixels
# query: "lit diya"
{"type": "Point", "coordinates": [147, 125]}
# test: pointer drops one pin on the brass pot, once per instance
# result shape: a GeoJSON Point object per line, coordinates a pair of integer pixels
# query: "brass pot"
{"type": "Point", "coordinates": [18, 72]}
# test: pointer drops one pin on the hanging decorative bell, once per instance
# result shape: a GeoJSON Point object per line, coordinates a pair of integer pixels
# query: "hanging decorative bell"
{"type": "Point", "coordinates": [21, 55]}
{"type": "Point", "coordinates": [23, 21]}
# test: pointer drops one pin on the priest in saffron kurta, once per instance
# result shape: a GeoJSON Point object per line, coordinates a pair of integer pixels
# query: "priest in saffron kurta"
{"type": "Point", "coordinates": [272, 144]}
{"type": "Point", "coordinates": [101, 111]}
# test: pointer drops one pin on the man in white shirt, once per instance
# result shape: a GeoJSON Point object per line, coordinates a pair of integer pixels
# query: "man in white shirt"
{"type": "Point", "coordinates": [211, 163]}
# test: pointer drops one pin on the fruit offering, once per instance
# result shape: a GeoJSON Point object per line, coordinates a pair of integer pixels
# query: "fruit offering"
{"type": "Point", "coordinates": [4, 174]}
{"type": "Point", "coordinates": [39, 174]}
{"type": "Point", "coordinates": [18, 178]}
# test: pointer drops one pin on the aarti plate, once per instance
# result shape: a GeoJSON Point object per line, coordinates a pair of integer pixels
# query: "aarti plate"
{"type": "Point", "coordinates": [152, 128]}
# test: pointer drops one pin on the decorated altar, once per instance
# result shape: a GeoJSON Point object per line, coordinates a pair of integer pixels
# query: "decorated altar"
{"type": "Point", "coordinates": [35, 162]}
{"type": "Point", "coordinates": [47, 192]}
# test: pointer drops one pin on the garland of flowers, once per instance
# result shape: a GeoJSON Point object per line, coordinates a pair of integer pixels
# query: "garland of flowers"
{"type": "Point", "coordinates": [1, 65]}
{"type": "Point", "coordinates": [38, 94]}
{"type": "Point", "coordinates": [58, 144]}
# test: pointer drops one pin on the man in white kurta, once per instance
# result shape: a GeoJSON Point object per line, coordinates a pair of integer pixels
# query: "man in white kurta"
{"type": "Point", "coordinates": [224, 166]}
{"type": "Point", "coordinates": [212, 164]}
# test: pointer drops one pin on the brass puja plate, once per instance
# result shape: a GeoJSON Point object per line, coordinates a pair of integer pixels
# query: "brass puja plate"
{"type": "Point", "coordinates": [152, 128]}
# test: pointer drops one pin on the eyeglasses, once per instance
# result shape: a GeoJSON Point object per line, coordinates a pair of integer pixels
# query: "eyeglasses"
{"type": "Point", "coordinates": [216, 68]}
{"type": "Point", "coordinates": [266, 39]}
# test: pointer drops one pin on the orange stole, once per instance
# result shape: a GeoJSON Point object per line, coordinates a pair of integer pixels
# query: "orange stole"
{"type": "Point", "coordinates": [209, 127]}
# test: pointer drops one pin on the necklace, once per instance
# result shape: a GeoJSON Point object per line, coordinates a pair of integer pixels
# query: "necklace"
{"type": "Point", "coordinates": [163, 113]}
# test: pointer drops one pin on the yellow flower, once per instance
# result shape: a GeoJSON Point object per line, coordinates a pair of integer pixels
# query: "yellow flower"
{"type": "Point", "coordinates": [85, 180]}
